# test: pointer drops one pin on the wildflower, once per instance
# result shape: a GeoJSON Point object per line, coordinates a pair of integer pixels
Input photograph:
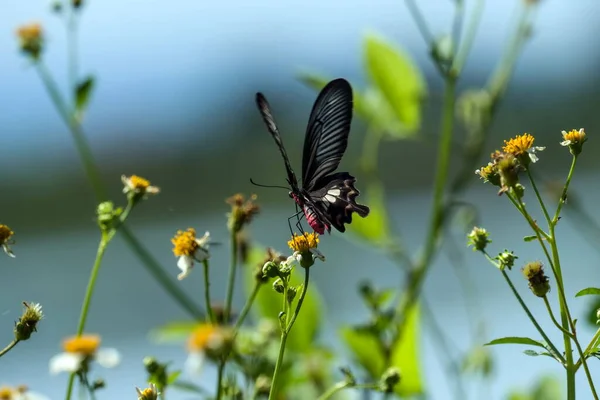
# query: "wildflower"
{"type": "Point", "coordinates": [489, 173]}
{"type": "Point", "coordinates": [506, 259]}
{"type": "Point", "coordinates": [6, 239]}
{"type": "Point", "coordinates": [538, 281]}
{"type": "Point", "coordinates": [31, 39]}
{"type": "Point", "coordinates": [478, 238]}
{"type": "Point", "coordinates": [207, 341]}
{"type": "Point", "coordinates": [27, 323]}
{"type": "Point", "coordinates": [19, 393]}
{"type": "Point", "coordinates": [78, 353]}
{"type": "Point", "coordinates": [574, 139]}
{"type": "Point", "coordinates": [189, 248]}
{"type": "Point", "coordinates": [305, 249]}
{"type": "Point", "coordinates": [136, 187]}
{"type": "Point", "coordinates": [242, 211]}
{"type": "Point", "coordinates": [521, 146]}
{"type": "Point", "coordinates": [150, 393]}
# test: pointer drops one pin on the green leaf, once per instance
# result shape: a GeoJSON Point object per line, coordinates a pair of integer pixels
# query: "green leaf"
{"type": "Point", "coordinates": [82, 95]}
{"type": "Point", "coordinates": [269, 303]}
{"type": "Point", "coordinates": [588, 291]}
{"type": "Point", "coordinates": [172, 332]}
{"type": "Point", "coordinates": [406, 355]}
{"type": "Point", "coordinates": [398, 79]}
{"type": "Point", "coordinates": [529, 238]}
{"type": "Point", "coordinates": [185, 386]}
{"type": "Point", "coordinates": [365, 350]}
{"type": "Point", "coordinates": [531, 353]}
{"type": "Point", "coordinates": [375, 229]}
{"type": "Point", "coordinates": [172, 378]}
{"type": "Point", "coordinates": [516, 340]}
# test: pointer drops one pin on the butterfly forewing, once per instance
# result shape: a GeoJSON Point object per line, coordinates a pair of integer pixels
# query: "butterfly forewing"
{"type": "Point", "coordinates": [327, 132]}
{"type": "Point", "coordinates": [265, 111]}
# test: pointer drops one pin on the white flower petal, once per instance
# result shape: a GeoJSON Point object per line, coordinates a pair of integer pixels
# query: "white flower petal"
{"type": "Point", "coordinates": [204, 240]}
{"type": "Point", "coordinates": [65, 362]}
{"type": "Point", "coordinates": [185, 264]}
{"type": "Point", "coordinates": [194, 364]}
{"type": "Point", "coordinates": [108, 357]}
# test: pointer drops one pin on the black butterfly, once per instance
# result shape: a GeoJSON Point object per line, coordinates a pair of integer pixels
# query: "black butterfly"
{"type": "Point", "coordinates": [326, 198]}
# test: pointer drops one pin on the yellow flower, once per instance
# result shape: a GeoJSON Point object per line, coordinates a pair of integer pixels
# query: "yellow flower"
{"type": "Point", "coordinates": [207, 340]}
{"type": "Point", "coordinates": [137, 186]}
{"type": "Point", "coordinates": [574, 139]}
{"type": "Point", "coordinates": [19, 393]}
{"type": "Point", "coordinates": [489, 173]}
{"type": "Point", "coordinates": [521, 146]}
{"type": "Point", "coordinates": [31, 39]}
{"type": "Point", "coordinates": [305, 249]}
{"type": "Point", "coordinates": [188, 248]}
{"type": "Point", "coordinates": [79, 351]}
{"type": "Point", "coordinates": [6, 239]}
{"type": "Point", "coordinates": [150, 393]}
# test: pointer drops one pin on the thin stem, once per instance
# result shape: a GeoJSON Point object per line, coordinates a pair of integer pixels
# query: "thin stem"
{"type": "Point", "coordinates": [563, 196]}
{"type": "Point", "coordinates": [209, 310]}
{"type": "Point", "coordinates": [560, 328]}
{"type": "Point", "coordinates": [421, 23]}
{"type": "Point", "coordinates": [247, 307]}
{"type": "Point", "coordinates": [300, 300]}
{"type": "Point", "coordinates": [219, 380]}
{"type": "Point", "coordinates": [232, 270]}
{"type": "Point", "coordinates": [593, 343]}
{"type": "Point", "coordinates": [9, 347]}
{"type": "Point", "coordinates": [338, 387]}
{"type": "Point", "coordinates": [437, 213]}
{"type": "Point", "coordinates": [72, 51]}
{"type": "Point", "coordinates": [556, 354]}
{"type": "Point", "coordinates": [539, 197]}
{"type": "Point", "coordinates": [465, 45]}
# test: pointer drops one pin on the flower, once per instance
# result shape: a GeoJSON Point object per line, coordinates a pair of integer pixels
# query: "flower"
{"type": "Point", "coordinates": [574, 139]}
{"type": "Point", "coordinates": [31, 39]}
{"type": "Point", "coordinates": [150, 393]}
{"type": "Point", "coordinates": [538, 281]}
{"type": "Point", "coordinates": [489, 173]}
{"type": "Point", "coordinates": [305, 249]}
{"type": "Point", "coordinates": [478, 238]}
{"type": "Point", "coordinates": [80, 351]}
{"type": "Point", "coordinates": [27, 323]}
{"type": "Point", "coordinates": [6, 239]}
{"type": "Point", "coordinates": [19, 393]}
{"type": "Point", "coordinates": [521, 146]}
{"type": "Point", "coordinates": [189, 248]}
{"type": "Point", "coordinates": [136, 187]}
{"type": "Point", "coordinates": [242, 211]}
{"type": "Point", "coordinates": [206, 341]}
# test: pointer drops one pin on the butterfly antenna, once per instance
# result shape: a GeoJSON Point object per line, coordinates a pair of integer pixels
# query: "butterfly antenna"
{"type": "Point", "coordinates": [268, 186]}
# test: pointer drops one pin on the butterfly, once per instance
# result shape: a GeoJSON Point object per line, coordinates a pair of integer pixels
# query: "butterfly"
{"type": "Point", "coordinates": [327, 198]}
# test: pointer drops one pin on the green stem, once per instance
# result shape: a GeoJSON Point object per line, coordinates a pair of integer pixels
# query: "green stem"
{"type": "Point", "coordinates": [563, 196]}
{"type": "Point", "coordinates": [209, 310]}
{"type": "Point", "coordinates": [592, 345]}
{"type": "Point", "coordinates": [556, 354]}
{"type": "Point", "coordinates": [285, 332]}
{"type": "Point", "coordinates": [232, 270]}
{"type": "Point", "coordinates": [539, 197]}
{"type": "Point", "coordinates": [338, 387]}
{"type": "Point", "coordinates": [72, 51]}
{"type": "Point", "coordinates": [421, 23]}
{"type": "Point", "coordinates": [465, 45]}
{"type": "Point", "coordinates": [247, 307]}
{"type": "Point", "coordinates": [560, 328]}
{"type": "Point", "coordinates": [437, 213]}
{"type": "Point", "coordinates": [219, 380]}
{"type": "Point", "coordinates": [9, 347]}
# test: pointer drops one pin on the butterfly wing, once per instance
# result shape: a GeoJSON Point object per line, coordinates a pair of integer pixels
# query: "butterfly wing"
{"type": "Point", "coordinates": [265, 111]}
{"type": "Point", "coordinates": [327, 132]}
{"type": "Point", "coordinates": [334, 200]}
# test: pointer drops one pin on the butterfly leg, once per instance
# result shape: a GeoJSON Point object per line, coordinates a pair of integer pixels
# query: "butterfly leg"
{"type": "Point", "coordinates": [296, 215]}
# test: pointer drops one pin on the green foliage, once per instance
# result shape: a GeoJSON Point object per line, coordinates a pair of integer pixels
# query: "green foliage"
{"type": "Point", "coordinates": [365, 349]}
{"type": "Point", "coordinates": [269, 303]}
{"type": "Point", "coordinates": [375, 230]}
{"type": "Point", "coordinates": [172, 332]}
{"type": "Point", "coordinates": [588, 291]}
{"type": "Point", "coordinates": [516, 340]}
{"type": "Point", "coordinates": [405, 355]}
{"type": "Point", "coordinates": [82, 95]}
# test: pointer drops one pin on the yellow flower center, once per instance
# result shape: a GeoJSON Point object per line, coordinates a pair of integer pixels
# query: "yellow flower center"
{"type": "Point", "coordinates": [201, 336]}
{"type": "Point", "coordinates": [574, 136]}
{"type": "Point", "coordinates": [5, 233]}
{"type": "Point", "coordinates": [84, 344]}
{"type": "Point", "coordinates": [304, 243]}
{"type": "Point", "coordinates": [184, 243]}
{"type": "Point", "coordinates": [518, 145]}
{"type": "Point", "coordinates": [6, 393]}
{"type": "Point", "coordinates": [148, 393]}
{"type": "Point", "coordinates": [139, 183]}
{"type": "Point", "coordinates": [29, 32]}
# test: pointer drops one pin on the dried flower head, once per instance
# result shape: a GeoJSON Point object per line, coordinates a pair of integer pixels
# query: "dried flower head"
{"type": "Point", "coordinates": [521, 146]}
{"type": "Point", "coordinates": [78, 353]}
{"type": "Point", "coordinates": [31, 39]}
{"type": "Point", "coordinates": [574, 139]}
{"type": "Point", "coordinates": [27, 323]}
{"type": "Point", "coordinates": [6, 239]}
{"type": "Point", "coordinates": [242, 211]}
{"type": "Point", "coordinates": [136, 187]}
{"type": "Point", "coordinates": [188, 248]}
{"type": "Point", "coordinates": [150, 393]}
{"type": "Point", "coordinates": [508, 169]}
{"type": "Point", "coordinates": [538, 281]}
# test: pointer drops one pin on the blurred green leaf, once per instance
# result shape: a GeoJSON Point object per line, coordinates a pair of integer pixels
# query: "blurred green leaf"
{"type": "Point", "coordinates": [173, 377]}
{"type": "Point", "coordinates": [478, 360]}
{"type": "Point", "coordinates": [172, 332]}
{"type": "Point", "coordinates": [592, 313]}
{"type": "Point", "coordinates": [185, 386]}
{"type": "Point", "coordinates": [516, 340]}
{"type": "Point", "coordinates": [375, 228]}
{"type": "Point", "coordinates": [406, 355]}
{"type": "Point", "coordinates": [398, 78]}
{"type": "Point", "coordinates": [365, 350]}
{"type": "Point", "coordinates": [82, 95]}
{"type": "Point", "coordinates": [548, 388]}
{"type": "Point", "coordinates": [518, 395]}
{"type": "Point", "coordinates": [530, 238]}
{"type": "Point", "coordinates": [588, 291]}
{"type": "Point", "coordinates": [269, 303]}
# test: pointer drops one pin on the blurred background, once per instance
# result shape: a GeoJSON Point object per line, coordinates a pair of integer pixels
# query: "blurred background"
{"type": "Point", "coordinates": [174, 102]}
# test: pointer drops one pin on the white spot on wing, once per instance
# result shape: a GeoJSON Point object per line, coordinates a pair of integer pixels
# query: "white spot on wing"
{"type": "Point", "coordinates": [334, 192]}
{"type": "Point", "coordinates": [329, 198]}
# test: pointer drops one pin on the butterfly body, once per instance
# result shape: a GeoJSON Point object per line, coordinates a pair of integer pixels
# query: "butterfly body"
{"type": "Point", "coordinates": [326, 198]}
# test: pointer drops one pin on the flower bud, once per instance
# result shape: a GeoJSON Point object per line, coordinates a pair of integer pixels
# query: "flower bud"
{"type": "Point", "coordinates": [478, 238]}
{"type": "Point", "coordinates": [27, 323]}
{"type": "Point", "coordinates": [538, 281]}
{"type": "Point", "coordinates": [389, 379]}
{"type": "Point", "coordinates": [278, 285]}
{"type": "Point", "coordinates": [291, 293]}
{"type": "Point", "coordinates": [270, 269]}
{"type": "Point", "coordinates": [506, 259]}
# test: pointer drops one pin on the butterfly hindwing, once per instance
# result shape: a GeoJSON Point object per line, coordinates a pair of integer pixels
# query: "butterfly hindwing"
{"type": "Point", "coordinates": [265, 111]}
{"type": "Point", "coordinates": [327, 132]}
{"type": "Point", "coordinates": [334, 200]}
